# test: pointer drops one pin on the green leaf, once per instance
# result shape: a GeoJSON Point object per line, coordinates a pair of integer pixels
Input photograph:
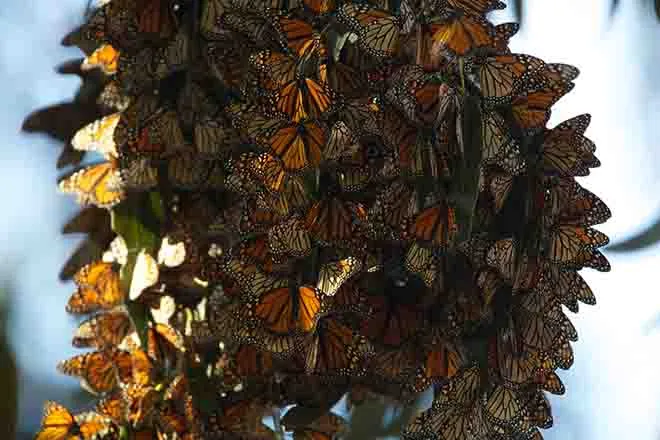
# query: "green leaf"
{"type": "Point", "coordinates": [137, 221]}
{"type": "Point", "coordinates": [465, 192]}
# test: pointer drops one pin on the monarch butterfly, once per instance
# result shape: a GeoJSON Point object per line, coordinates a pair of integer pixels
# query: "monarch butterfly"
{"type": "Point", "coordinates": [562, 356]}
{"type": "Point", "coordinates": [435, 225]}
{"type": "Point", "coordinates": [396, 205]}
{"type": "Point", "coordinates": [462, 34]}
{"type": "Point", "coordinates": [140, 402]}
{"type": "Point", "coordinates": [113, 407]}
{"type": "Point", "coordinates": [499, 187]}
{"type": "Point", "coordinates": [541, 301]}
{"type": "Point", "coordinates": [142, 110]}
{"type": "Point", "coordinates": [421, 262]}
{"type": "Point", "coordinates": [251, 362]}
{"type": "Point", "coordinates": [242, 417]}
{"type": "Point", "coordinates": [503, 33]}
{"type": "Point", "coordinates": [276, 69]}
{"type": "Point", "coordinates": [269, 170]}
{"type": "Point", "coordinates": [320, 6]}
{"type": "Point", "coordinates": [298, 145]}
{"type": "Point", "coordinates": [341, 142]}
{"type": "Point", "coordinates": [570, 203]}
{"type": "Point", "coordinates": [99, 371]}
{"type": "Point", "coordinates": [393, 321]}
{"type": "Point", "coordinates": [108, 24]}
{"type": "Point", "coordinates": [157, 17]}
{"type": "Point", "coordinates": [213, 10]}
{"type": "Point", "coordinates": [159, 134]}
{"type": "Point", "coordinates": [104, 58]}
{"type": "Point", "coordinates": [531, 109]}
{"type": "Point", "coordinates": [325, 427]}
{"type": "Point", "coordinates": [98, 136]}
{"type": "Point", "coordinates": [98, 288]}
{"type": "Point", "coordinates": [360, 116]}
{"type": "Point", "coordinates": [184, 171]}
{"type": "Point", "coordinates": [59, 424]}
{"type": "Point", "coordinates": [333, 275]}
{"type": "Point", "coordinates": [257, 29]}
{"type": "Point", "coordinates": [256, 250]}
{"type": "Point", "coordinates": [214, 138]}
{"type": "Point", "coordinates": [442, 360]}
{"type": "Point", "coordinates": [349, 298]}
{"type": "Point", "coordinates": [567, 242]}
{"type": "Point", "coordinates": [336, 350]}
{"type": "Point", "coordinates": [334, 220]}
{"type": "Point", "coordinates": [298, 36]}
{"type": "Point", "coordinates": [289, 239]}
{"type": "Point", "coordinates": [303, 98]}
{"type": "Point", "coordinates": [571, 288]}
{"type": "Point", "coordinates": [502, 255]}
{"type": "Point", "coordinates": [538, 410]}
{"type": "Point", "coordinates": [343, 79]}
{"type": "Point", "coordinates": [103, 330]}
{"type": "Point", "coordinates": [293, 197]}
{"type": "Point", "coordinates": [434, 101]}
{"type": "Point", "coordinates": [377, 30]}
{"type": "Point", "coordinates": [98, 185]}
{"type": "Point", "coordinates": [112, 98]}
{"type": "Point", "coordinates": [499, 75]}
{"type": "Point", "coordinates": [513, 365]}
{"type": "Point", "coordinates": [504, 406]}
{"type": "Point", "coordinates": [537, 331]}
{"type": "Point", "coordinates": [395, 365]}
{"type": "Point", "coordinates": [499, 148]}
{"type": "Point", "coordinates": [172, 57]}
{"type": "Point", "coordinates": [397, 131]}
{"type": "Point", "coordinates": [550, 75]}
{"type": "Point", "coordinates": [551, 383]}
{"type": "Point", "coordinates": [287, 309]}
{"type": "Point", "coordinates": [566, 152]}
{"type": "Point", "coordinates": [163, 342]}
{"type": "Point", "coordinates": [138, 173]}
{"type": "Point", "coordinates": [476, 7]}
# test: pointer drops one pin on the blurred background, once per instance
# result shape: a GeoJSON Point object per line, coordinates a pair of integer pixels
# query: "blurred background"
{"type": "Point", "coordinates": [613, 388]}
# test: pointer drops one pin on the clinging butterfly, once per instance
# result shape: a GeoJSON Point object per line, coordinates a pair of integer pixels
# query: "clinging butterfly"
{"type": "Point", "coordinates": [103, 330]}
{"type": "Point", "coordinates": [435, 225]}
{"type": "Point", "coordinates": [59, 424]}
{"type": "Point", "coordinates": [333, 220]}
{"type": "Point", "coordinates": [463, 34]}
{"type": "Point", "coordinates": [104, 58]}
{"type": "Point", "coordinates": [377, 30]}
{"type": "Point", "coordinates": [336, 349]}
{"type": "Point", "coordinates": [99, 371]}
{"type": "Point", "coordinates": [98, 185]}
{"type": "Point", "coordinates": [287, 309]}
{"type": "Point", "coordinates": [98, 288]}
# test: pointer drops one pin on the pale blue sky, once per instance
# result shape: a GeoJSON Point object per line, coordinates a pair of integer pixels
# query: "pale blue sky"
{"type": "Point", "coordinates": [613, 388]}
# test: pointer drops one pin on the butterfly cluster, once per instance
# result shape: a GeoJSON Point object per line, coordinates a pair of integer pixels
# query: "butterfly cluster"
{"type": "Point", "coordinates": [313, 199]}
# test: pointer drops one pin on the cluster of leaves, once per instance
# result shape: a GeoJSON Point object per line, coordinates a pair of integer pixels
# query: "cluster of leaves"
{"type": "Point", "coordinates": [312, 199]}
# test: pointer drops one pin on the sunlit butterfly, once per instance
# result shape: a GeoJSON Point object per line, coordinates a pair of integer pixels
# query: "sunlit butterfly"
{"type": "Point", "coordinates": [59, 424]}
{"type": "Point", "coordinates": [98, 185]}
{"type": "Point", "coordinates": [103, 330]}
{"type": "Point", "coordinates": [99, 371]}
{"type": "Point", "coordinates": [97, 288]}
{"type": "Point", "coordinates": [104, 58]}
{"type": "Point", "coordinates": [98, 136]}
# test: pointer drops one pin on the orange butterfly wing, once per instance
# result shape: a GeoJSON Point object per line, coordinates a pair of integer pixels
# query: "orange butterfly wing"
{"type": "Point", "coordinates": [98, 288]}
